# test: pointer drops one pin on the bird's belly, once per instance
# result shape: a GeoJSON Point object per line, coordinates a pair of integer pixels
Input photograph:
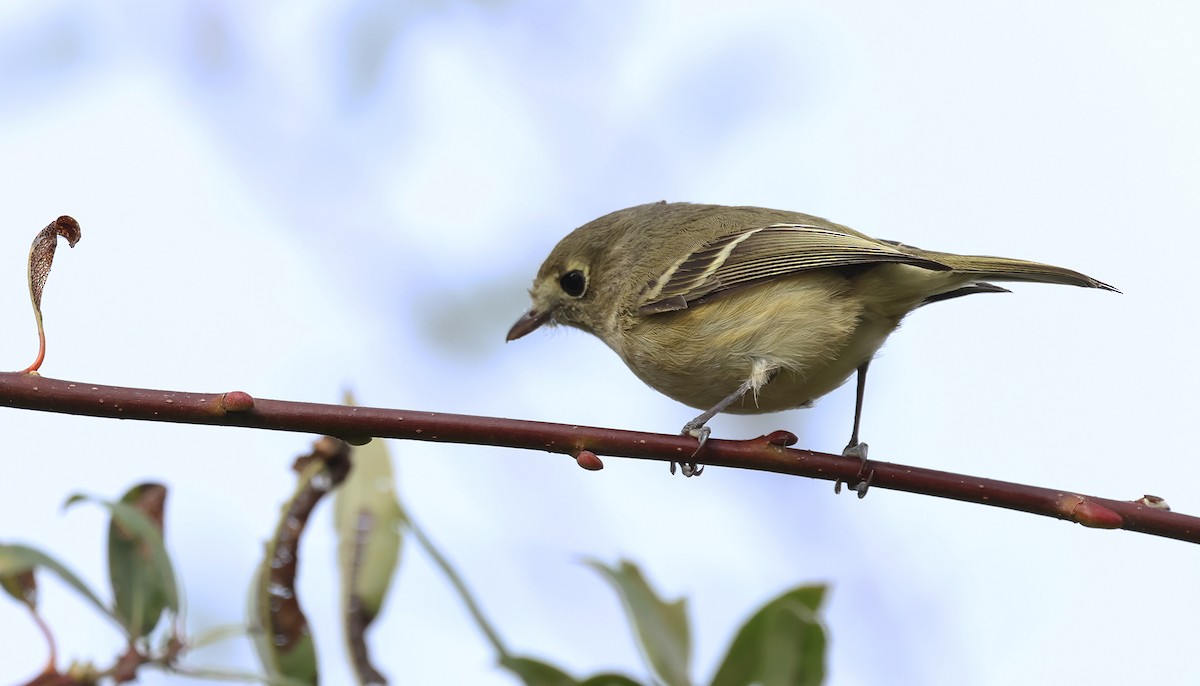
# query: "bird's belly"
{"type": "Point", "coordinates": [806, 328]}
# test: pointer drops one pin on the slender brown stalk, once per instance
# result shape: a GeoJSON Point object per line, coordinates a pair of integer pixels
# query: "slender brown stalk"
{"type": "Point", "coordinates": [766, 453]}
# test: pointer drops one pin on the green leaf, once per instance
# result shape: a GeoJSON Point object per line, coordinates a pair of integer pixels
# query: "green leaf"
{"type": "Point", "coordinates": [661, 628]}
{"type": "Point", "coordinates": [534, 672]}
{"type": "Point", "coordinates": [610, 680]}
{"type": "Point", "coordinates": [139, 567]}
{"type": "Point", "coordinates": [16, 558]}
{"type": "Point", "coordinates": [783, 644]}
{"type": "Point", "coordinates": [369, 523]}
{"type": "Point", "coordinates": [140, 586]}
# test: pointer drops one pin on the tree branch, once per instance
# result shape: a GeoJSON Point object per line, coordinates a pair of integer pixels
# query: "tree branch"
{"type": "Point", "coordinates": [766, 453]}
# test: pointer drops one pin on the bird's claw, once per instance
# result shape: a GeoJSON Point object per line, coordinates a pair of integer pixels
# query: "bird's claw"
{"type": "Point", "coordinates": [862, 486]}
{"type": "Point", "coordinates": [701, 434]}
{"type": "Point", "coordinates": [688, 468]}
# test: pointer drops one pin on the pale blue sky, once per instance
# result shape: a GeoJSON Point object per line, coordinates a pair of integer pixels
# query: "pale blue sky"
{"type": "Point", "coordinates": [291, 202]}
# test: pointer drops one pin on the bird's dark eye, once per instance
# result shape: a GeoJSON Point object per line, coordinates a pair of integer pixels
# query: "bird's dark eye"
{"type": "Point", "coordinates": [573, 283]}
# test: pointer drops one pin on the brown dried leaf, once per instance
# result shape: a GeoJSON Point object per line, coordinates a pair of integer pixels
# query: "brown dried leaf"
{"type": "Point", "coordinates": [41, 257]}
{"type": "Point", "coordinates": [280, 629]}
{"type": "Point", "coordinates": [22, 586]}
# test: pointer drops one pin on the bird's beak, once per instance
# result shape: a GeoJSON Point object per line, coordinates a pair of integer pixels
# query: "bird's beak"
{"type": "Point", "coordinates": [527, 323]}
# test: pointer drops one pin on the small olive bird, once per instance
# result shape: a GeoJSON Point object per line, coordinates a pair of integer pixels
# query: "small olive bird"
{"type": "Point", "coordinates": [746, 309]}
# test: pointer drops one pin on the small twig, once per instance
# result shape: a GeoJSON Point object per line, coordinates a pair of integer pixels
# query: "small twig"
{"type": "Point", "coordinates": [766, 453]}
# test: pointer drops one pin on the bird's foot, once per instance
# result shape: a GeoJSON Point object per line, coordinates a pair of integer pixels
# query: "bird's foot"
{"type": "Point", "coordinates": [701, 434]}
{"type": "Point", "coordinates": [857, 450]}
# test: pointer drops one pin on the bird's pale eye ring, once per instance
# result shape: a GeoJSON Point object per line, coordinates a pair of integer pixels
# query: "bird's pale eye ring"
{"type": "Point", "coordinates": [573, 283]}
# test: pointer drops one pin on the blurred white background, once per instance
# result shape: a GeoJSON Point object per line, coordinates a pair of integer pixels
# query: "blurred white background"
{"type": "Point", "coordinates": [296, 200]}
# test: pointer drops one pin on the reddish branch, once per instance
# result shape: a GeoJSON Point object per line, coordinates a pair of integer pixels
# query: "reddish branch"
{"type": "Point", "coordinates": [766, 453]}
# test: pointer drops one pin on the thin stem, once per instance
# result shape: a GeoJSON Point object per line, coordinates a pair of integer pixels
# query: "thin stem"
{"type": "Point", "coordinates": [460, 587]}
{"type": "Point", "coordinates": [41, 356]}
{"type": "Point", "coordinates": [52, 660]}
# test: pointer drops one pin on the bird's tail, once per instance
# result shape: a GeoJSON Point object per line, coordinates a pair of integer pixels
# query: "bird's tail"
{"type": "Point", "coordinates": [983, 268]}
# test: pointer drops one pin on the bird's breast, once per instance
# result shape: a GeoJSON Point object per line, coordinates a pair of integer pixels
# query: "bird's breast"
{"type": "Point", "coordinates": [811, 327]}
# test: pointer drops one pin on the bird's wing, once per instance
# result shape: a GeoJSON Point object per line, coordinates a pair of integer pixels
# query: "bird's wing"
{"type": "Point", "coordinates": [753, 255]}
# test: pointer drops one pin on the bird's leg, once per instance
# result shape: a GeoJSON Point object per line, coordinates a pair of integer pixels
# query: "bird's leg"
{"type": "Point", "coordinates": [761, 373]}
{"type": "Point", "coordinates": [856, 448]}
